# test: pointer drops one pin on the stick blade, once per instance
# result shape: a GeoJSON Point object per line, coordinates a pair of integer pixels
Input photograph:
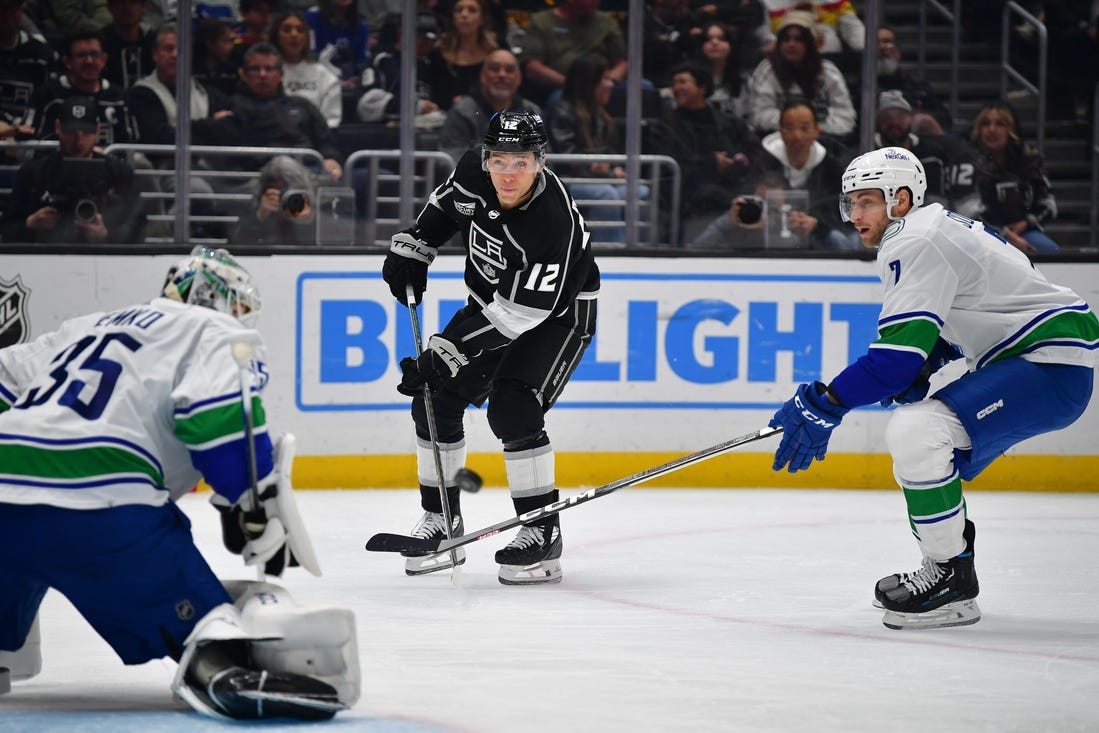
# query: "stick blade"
{"type": "Point", "coordinates": [384, 542]}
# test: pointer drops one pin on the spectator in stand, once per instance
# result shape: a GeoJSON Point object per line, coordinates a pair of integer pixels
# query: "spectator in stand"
{"type": "Point", "coordinates": [26, 64]}
{"type": "Point", "coordinates": [930, 115]}
{"type": "Point", "coordinates": [835, 23]}
{"type": "Point", "coordinates": [302, 75]}
{"type": "Point", "coordinates": [59, 199]}
{"type": "Point", "coordinates": [341, 39]}
{"type": "Point", "coordinates": [84, 60]}
{"type": "Point", "coordinates": [254, 26]}
{"type": "Point", "coordinates": [719, 54]}
{"type": "Point", "coordinates": [264, 115]}
{"type": "Point", "coordinates": [461, 52]}
{"type": "Point", "coordinates": [578, 122]}
{"type": "Point", "coordinates": [152, 99]}
{"type": "Point", "coordinates": [794, 68]}
{"type": "Point", "coordinates": [497, 91]}
{"type": "Point", "coordinates": [737, 229]}
{"type": "Point", "coordinates": [949, 162]}
{"type": "Point", "coordinates": [152, 102]}
{"type": "Point", "coordinates": [56, 18]}
{"type": "Point", "coordinates": [127, 43]}
{"type": "Point", "coordinates": [716, 153]}
{"type": "Point", "coordinates": [797, 159]}
{"type": "Point", "coordinates": [669, 35]}
{"type": "Point", "coordinates": [558, 36]}
{"type": "Point", "coordinates": [1015, 193]}
{"type": "Point", "coordinates": [381, 98]}
{"type": "Point", "coordinates": [282, 208]}
{"type": "Point", "coordinates": [213, 62]}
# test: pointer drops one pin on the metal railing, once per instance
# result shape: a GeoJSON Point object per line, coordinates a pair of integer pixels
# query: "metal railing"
{"type": "Point", "coordinates": [1006, 69]}
{"type": "Point", "coordinates": [1095, 170]}
{"type": "Point", "coordinates": [953, 17]}
{"type": "Point", "coordinates": [658, 172]}
{"type": "Point", "coordinates": [230, 185]}
{"type": "Point", "coordinates": [381, 219]}
{"type": "Point", "coordinates": [14, 153]}
{"type": "Point", "coordinates": [383, 197]}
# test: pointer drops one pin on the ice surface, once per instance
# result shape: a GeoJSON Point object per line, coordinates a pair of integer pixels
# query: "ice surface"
{"type": "Point", "coordinates": [681, 610]}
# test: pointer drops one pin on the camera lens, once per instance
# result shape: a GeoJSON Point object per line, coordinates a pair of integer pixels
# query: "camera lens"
{"type": "Point", "coordinates": [85, 210]}
{"type": "Point", "coordinates": [750, 211]}
{"type": "Point", "coordinates": [294, 203]}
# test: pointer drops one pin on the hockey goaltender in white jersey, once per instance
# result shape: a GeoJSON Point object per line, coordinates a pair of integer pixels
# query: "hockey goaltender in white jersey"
{"type": "Point", "coordinates": [103, 424]}
{"type": "Point", "coordinates": [953, 289]}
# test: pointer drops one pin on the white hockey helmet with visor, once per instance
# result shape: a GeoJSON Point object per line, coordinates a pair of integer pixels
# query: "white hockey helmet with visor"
{"type": "Point", "coordinates": [888, 170]}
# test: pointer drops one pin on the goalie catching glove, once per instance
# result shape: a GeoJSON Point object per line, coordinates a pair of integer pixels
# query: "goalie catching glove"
{"type": "Point", "coordinates": [273, 533]}
{"type": "Point", "coordinates": [440, 360]}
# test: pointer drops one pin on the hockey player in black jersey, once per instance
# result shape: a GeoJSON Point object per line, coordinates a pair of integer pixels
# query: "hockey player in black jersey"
{"type": "Point", "coordinates": [530, 314]}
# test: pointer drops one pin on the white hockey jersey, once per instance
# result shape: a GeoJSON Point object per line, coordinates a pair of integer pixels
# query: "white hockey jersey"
{"type": "Point", "coordinates": [128, 407]}
{"type": "Point", "coordinates": [950, 276]}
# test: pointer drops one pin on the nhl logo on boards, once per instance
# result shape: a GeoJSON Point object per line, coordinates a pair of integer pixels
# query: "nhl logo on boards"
{"type": "Point", "coordinates": [15, 327]}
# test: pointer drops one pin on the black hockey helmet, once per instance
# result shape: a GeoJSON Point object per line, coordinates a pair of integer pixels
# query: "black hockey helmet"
{"type": "Point", "coordinates": [515, 132]}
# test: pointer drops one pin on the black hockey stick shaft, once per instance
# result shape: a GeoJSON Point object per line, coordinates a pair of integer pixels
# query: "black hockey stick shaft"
{"type": "Point", "coordinates": [433, 433]}
{"type": "Point", "coordinates": [400, 543]}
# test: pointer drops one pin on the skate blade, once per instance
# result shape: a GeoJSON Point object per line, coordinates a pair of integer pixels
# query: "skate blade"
{"type": "Point", "coordinates": [959, 613]}
{"type": "Point", "coordinates": [547, 571]}
{"type": "Point", "coordinates": [432, 563]}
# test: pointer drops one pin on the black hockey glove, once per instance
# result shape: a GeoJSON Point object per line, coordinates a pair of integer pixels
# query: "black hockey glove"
{"type": "Point", "coordinates": [406, 264]}
{"type": "Point", "coordinates": [243, 526]}
{"type": "Point", "coordinates": [440, 360]}
{"type": "Point", "coordinates": [942, 353]}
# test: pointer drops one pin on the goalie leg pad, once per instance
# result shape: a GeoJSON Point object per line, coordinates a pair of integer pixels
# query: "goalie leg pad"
{"type": "Point", "coordinates": [314, 642]}
{"type": "Point", "coordinates": [220, 674]}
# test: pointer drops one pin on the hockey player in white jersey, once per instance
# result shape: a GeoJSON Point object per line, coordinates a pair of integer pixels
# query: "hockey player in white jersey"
{"type": "Point", "coordinates": [953, 289]}
{"type": "Point", "coordinates": [104, 423]}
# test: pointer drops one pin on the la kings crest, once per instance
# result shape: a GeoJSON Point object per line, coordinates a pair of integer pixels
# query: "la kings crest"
{"type": "Point", "coordinates": [15, 327]}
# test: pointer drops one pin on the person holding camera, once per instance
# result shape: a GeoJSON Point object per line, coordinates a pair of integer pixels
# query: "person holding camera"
{"type": "Point", "coordinates": [283, 206]}
{"type": "Point", "coordinates": [74, 195]}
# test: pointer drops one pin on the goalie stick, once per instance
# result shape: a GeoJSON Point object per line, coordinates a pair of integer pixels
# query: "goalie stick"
{"type": "Point", "coordinates": [400, 543]}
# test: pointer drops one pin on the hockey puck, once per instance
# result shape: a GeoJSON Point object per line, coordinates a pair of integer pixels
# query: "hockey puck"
{"type": "Point", "coordinates": [468, 480]}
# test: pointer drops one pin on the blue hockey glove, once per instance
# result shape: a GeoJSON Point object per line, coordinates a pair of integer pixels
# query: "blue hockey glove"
{"type": "Point", "coordinates": [406, 264]}
{"type": "Point", "coordinates": [440, 360]}
{"type": "Point", "coordinates": [807, 421]}
{"type": "Point", "coordinates": [942, 353]}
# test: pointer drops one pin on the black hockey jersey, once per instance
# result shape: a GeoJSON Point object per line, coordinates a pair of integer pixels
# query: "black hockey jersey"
{"type": "Point", "coordinates": [523, 265]}
{"type": "Point", "coordinates": [115, 124]}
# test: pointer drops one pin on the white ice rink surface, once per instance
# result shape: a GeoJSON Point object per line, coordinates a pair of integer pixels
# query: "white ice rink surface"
{"type": "Point", "coordinates": [680, 610]}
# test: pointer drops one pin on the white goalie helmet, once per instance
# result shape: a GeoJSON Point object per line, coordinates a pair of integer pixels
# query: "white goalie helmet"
{"type": "Point", "coordinates": [213, 279]}
{"type": "Point", "coordinates": [888, 170]}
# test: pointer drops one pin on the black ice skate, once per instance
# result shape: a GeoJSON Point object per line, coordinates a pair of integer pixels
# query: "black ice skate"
{"type": "Point", "coordinates": [532, 557]}
{"type": "Point", "coordinates": [432, 526]}
{"type": "Point", "coordinates": [888, 583]}
{"type": "Point", "coordinates": [938, 595]}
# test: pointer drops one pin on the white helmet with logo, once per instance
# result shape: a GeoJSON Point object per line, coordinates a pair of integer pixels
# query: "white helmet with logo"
{"type": "Point", "coordinates": [888, 170]}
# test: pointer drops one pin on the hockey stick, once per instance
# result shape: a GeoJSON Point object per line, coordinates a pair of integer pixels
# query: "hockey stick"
{"type": "Point", "coordinates": [429, 409]}
{"type": "Point", "coordinates": [400, 543]}
{"type": "Point", "coordinates": [242, 355]}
